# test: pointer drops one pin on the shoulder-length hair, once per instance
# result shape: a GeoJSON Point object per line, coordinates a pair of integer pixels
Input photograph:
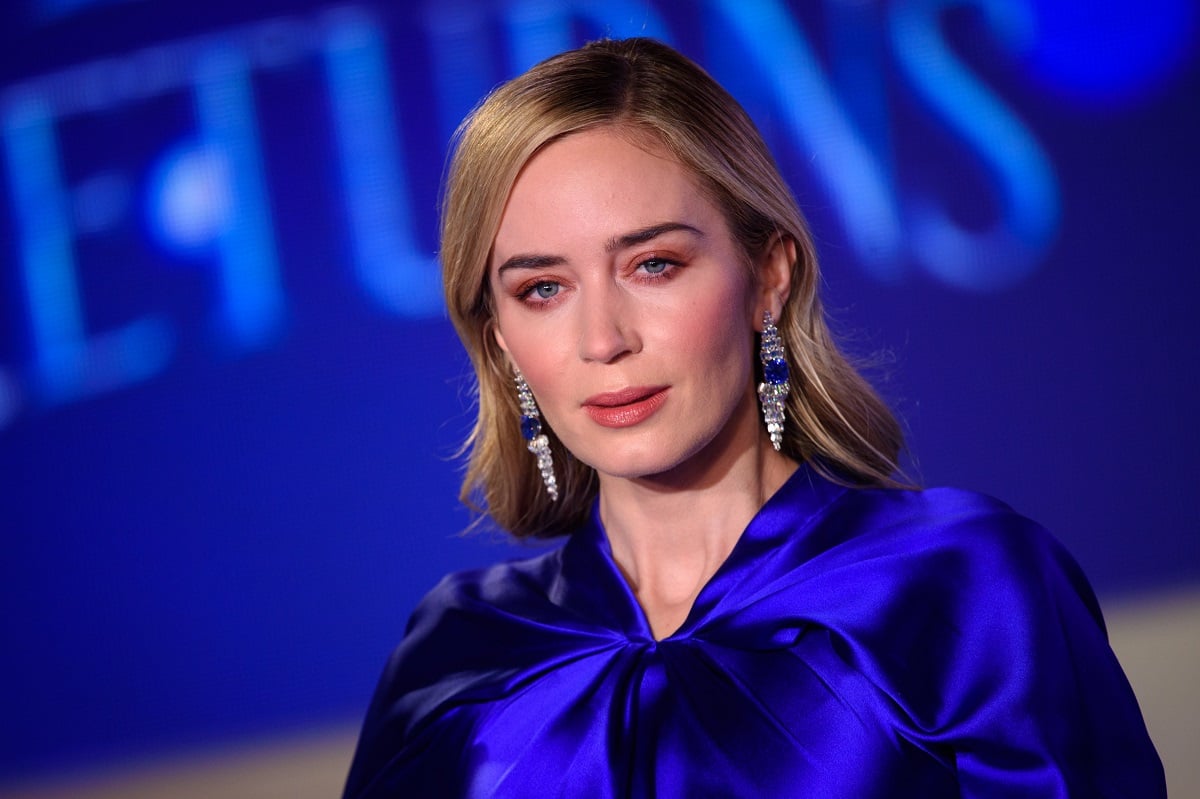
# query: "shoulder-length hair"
{"type": "Point", "coordinates": [834, 418]}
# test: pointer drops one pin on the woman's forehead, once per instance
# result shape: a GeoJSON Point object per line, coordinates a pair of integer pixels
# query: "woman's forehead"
{"type": "Point", "coordinates": [599, 183]}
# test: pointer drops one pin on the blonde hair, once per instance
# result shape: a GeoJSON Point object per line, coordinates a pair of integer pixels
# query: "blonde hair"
{"type": "Point", "coordinates": [835, 419]}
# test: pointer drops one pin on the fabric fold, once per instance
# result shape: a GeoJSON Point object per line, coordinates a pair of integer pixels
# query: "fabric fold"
{"type": "Point", "coordinates": [855, 643]}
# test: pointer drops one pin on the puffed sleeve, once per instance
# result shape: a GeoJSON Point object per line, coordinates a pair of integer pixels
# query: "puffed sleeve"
{"type": "Point", "coordinates": [1010, 670]}
{"type": "Point", "coordinates": [414, 681]}
{"type": "Point", "coordinates": [477, 639]}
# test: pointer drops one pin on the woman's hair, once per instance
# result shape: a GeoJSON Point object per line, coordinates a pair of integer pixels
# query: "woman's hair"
{"type": "Point", "coordinates": [834, 418]}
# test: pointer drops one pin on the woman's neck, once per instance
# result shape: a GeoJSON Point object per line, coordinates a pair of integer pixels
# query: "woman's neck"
{"type": "Point", "coordinates": [669, 535]}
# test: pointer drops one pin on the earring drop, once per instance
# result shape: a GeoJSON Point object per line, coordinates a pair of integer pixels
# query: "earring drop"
{"type": "Point", "coordinates": [535, 439]}
{"type": "Point", "coordinates": [774, 388]}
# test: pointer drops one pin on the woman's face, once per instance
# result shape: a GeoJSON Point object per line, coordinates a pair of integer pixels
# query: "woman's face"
{"type": "Point", "coordinates": [622, 297]}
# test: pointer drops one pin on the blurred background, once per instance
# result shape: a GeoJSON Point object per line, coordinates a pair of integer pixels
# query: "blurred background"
{"type": "Point", "coordinates": [230, 398]}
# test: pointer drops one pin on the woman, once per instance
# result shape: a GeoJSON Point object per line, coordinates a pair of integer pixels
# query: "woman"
{"type": "Point", "coordinates": [744, 605]}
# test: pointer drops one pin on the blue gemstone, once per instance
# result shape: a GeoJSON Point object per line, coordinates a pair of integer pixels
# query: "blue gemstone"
{"type": "Point", "coordinates": [776, 371]}
{"type": "Point", "coordinates": [530, 427]}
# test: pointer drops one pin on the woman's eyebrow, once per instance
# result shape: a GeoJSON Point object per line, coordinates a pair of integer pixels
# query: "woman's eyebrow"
{"type": "Point", "coordinates": [632, 239]}
{"type": "Point", "coordinates": [647, 234]}
{"type": "Point", "coordinates": [531, 262]}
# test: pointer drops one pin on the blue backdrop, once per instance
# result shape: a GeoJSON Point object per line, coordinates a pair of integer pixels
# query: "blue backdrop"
{"type": "Point", "coordinates": [229, 397]}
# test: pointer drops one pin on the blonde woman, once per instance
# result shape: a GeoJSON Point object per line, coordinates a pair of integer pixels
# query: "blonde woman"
{"type": "Point", "coordinates": [748, 601]}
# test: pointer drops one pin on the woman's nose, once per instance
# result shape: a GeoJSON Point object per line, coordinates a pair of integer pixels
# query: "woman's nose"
{"type": "Point", "coordinates": [607, 327]}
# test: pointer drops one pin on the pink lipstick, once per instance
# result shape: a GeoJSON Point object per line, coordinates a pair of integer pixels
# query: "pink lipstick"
{"type": "Point", "coordinates": [626, 407]}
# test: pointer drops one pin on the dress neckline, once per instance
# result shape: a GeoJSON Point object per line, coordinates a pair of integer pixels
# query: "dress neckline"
{"type": "Point", "coordinates": [591, 583]}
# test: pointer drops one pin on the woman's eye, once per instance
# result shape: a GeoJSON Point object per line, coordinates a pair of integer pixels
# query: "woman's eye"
{"type": "Point", "coordinates": [654, 266]}
{"type": "Point", "coordinates": [544, 290]}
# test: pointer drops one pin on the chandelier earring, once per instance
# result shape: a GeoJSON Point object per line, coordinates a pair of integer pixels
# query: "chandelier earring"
{"type": "Point", "coordinates": [774, 389]}
{"type": "Point", "coordinates": [535, 439]}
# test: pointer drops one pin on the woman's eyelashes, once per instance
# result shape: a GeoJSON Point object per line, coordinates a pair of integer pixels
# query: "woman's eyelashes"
{"type": "Point", "coordinates": [539, 292]}
{"type": "Point", "coordinates": [657, 267]}
{"type": "Point", "coordinates": [546, 290]}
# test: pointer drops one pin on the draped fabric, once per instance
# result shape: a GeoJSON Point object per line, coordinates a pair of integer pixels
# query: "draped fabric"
{"type": "Point", "coordinates": [855, 643]}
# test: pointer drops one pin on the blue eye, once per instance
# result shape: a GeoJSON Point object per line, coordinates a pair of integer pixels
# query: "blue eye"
{"type": "Point", "coordinates": [655, 266]}
{"type": "Point", "coordinates": [545, 290]}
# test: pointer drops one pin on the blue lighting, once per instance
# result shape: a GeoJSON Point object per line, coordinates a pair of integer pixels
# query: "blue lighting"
{"type": "Point", "coordinates": [67, 363]}
{"type": "Point", "coordinates": [1017, 167]}
{"type": "Point", "coordinates": [460, 52]}
{"type": "Point", "coordinates": [387, 258]}
{"type": "Point", "coordinates": [190, 199]}
{"type": "Point", "coordinates": [1108, 51]}
{"type": "Point", "coordinates": [783, 61]}
{"type": "Point", "coordinates": [252, 307]}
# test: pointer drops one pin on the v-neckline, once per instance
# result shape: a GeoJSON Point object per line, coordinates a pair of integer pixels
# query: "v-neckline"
{"type": "Point", "coordinates": [594, 585]}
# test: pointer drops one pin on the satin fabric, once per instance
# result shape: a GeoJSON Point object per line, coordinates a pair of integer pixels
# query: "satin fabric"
{"type": "Point", "coordinates": [856, 643]}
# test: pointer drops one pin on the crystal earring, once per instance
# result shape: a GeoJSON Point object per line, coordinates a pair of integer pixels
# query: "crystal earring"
{"type": "Point", "coordinates": [774, 388]}
{"type": "Point", "coordinates": [535, 439]}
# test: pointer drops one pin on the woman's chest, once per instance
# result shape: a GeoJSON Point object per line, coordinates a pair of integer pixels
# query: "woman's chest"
{"type": "Point", "coordinates": [681, 720]}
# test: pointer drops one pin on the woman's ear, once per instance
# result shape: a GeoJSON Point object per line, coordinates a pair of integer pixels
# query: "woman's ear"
{"type": "Point", "coordinates": [775, 277]}
{"type": "Point", "coordinates": [504, 361]}
{"type": "Point", "coordinates": [495, 330]}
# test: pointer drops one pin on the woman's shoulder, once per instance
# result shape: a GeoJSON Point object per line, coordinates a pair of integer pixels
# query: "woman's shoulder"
{"type": "Point", "coordinates": [966, 526]}
{"type": "Point", "coordinates": [983, 628]}
{"type": "Point", "coordinates": [935, 511]}
{"type": "Point", "coordinates": [954, 558]}
{"type": "Point", "coordinates": [472, 623]}
{"type": "Point", "coordinates": [504, 587]}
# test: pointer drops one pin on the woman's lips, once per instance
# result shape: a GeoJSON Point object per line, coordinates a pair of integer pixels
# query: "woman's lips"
{"type": "Point", "coordinates": [626, 407]}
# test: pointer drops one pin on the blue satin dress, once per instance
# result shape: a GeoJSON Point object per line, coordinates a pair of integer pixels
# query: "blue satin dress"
{"type": "Point", "coordinates": [856, 643]}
